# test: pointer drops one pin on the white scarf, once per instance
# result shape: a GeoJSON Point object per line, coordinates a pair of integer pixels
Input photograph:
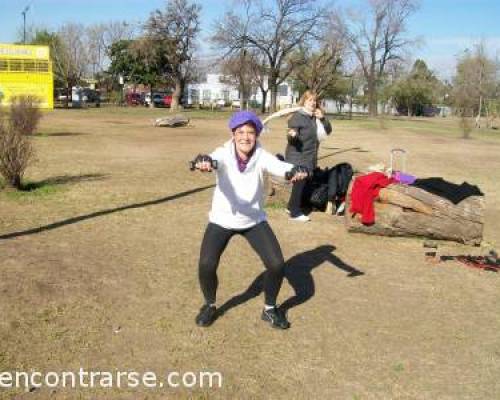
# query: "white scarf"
{"type": "Point", "coordinates": [320, 129]}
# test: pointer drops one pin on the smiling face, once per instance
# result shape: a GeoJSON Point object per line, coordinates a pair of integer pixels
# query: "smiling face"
{"type": "Point", "coordinates": [310, 104]}
{"type": "Point", "coordinates": [245, 138]}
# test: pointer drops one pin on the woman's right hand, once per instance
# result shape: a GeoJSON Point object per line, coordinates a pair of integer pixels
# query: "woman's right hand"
{"type": "Point", "coordinates": [204, 163]}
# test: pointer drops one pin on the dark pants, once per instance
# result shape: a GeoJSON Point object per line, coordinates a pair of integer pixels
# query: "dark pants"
{"type": "Point", "coordinates": [262, 240]}
{"type": "Point", "coordinates": [295, 202]}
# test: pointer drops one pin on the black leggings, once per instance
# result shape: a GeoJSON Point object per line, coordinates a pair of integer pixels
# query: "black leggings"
{"type": "Point", "coordinates": [262, 240]}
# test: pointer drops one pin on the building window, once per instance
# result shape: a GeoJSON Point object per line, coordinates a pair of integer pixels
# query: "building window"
{"type": "Point", "coordinates": [207, 95]}
{"type": "Point", "coordinates": [195, 96]}
{"type": "Point", "coordinates": [283, 90]}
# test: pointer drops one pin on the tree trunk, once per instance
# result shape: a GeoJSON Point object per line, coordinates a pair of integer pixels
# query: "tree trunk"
{"type": "Point", "coordinates": [243, 95]}
{"type": "Point", "coordinates": [176, 96]}
{"type": "Point", "coordinates": [264, 99]}
{"type": "Point", "coordinates": [273, 88]}
{"type": "Point", "coordinates": [68, 94]}
{"type": "Point", "coordinates": [478, 118]}
{"type": "Point", "coordinates": [372, 97]}
{"type": "Point", "coordinates": [14, 182]}
{"type": "Point", "coordinates": [151, 104]}
{"type": "Point", "coordinates": [274, 97]}
{"type": "Point", "coordinates": [402, 210]}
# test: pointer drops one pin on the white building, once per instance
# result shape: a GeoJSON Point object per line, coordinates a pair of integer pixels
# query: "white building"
{"type": "Point", "coordinates": [214, 91]}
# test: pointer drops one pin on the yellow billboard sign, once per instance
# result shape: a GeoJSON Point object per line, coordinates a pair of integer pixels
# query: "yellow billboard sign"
{"type": "Point", "coordinates": [23, 52]}
{"type": "Point", "coordinates": [26, 70]}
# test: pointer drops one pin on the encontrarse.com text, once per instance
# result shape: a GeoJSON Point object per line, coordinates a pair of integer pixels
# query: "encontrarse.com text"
{"type": "Point", "coordinates": [107, 379]}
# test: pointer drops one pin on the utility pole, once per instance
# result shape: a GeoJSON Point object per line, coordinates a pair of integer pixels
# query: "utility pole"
{"type": "Point", "coordinates": [24, 22]}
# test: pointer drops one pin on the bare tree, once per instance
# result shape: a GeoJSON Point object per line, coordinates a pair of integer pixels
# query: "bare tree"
{"type": "Point", "coordinates": [70, 58]}
{"type": "Point", "coordinates": [237, 70]}
{"type": "Point", "coordinates": [318, 68]}
{"type": "Point", "coordinates": [376, 37]}
{"type": "Point", "coordinates": [274, 28]}
{"type": "Point", "coordinates": [176, 29]}
{"type": "Point", "coordinates": [96, 47]}
{"type": "Point", "coordinates": [114, 31]}
{"type": "Point", "coordinates": [474, 82]}
{"type": "Point", "coordinates": [260, 73]}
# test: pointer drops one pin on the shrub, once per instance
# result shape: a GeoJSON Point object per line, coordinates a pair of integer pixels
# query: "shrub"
{"type": "Point", "coordinates": [16, 151]}
{"type": "Point", "coordinates": [24, 114]}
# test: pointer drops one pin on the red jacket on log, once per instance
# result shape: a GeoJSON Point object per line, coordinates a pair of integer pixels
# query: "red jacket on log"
{"type": "Point", "coordinates": [364, 191]}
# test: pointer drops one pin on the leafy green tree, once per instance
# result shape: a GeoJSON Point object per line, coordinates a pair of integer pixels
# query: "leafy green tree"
{"type": "Point", "coordinates": [139, 61]}
{"type": "Point", "coordinates": [413, 93]}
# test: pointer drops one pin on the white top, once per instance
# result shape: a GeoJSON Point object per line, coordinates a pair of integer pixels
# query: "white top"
{"type": "Point", "coordinates": [238, 201]}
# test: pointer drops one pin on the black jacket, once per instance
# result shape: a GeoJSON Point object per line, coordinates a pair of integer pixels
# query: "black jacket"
{"type": "Point", "coordinates": [303, 149]}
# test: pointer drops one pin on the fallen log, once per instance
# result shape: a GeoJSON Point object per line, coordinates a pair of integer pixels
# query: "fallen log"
{"type": "Point", "coordinates": [402, 210]}
{"type": "Point", "coordinates": [171, 122]}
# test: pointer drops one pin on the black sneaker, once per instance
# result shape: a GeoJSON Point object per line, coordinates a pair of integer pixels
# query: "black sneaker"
{"type": "Point", "coordinates": [206, 316]}
{"type": "Point", "coordinates": [276, 317]}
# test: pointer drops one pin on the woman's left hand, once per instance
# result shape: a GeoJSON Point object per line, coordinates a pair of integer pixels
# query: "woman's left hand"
{"type": "Point", "coordinates": [319, 114]}
{"type": "Point", "coordinates": [299, 176]}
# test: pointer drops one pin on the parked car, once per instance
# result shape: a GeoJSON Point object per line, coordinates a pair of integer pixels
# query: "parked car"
{"type": "Point", "coordinates": [146, 99]}
{"type": "Point", "coordinates": [162, 100]}
{"type": "Point", "coordinates": [220, 103]}
{"type": "Point", "coordinates": [133, 99]}
{"type": "Point", "coordinates": [90, 96]}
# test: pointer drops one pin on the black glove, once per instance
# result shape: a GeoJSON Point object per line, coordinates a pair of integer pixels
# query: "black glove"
{"type": "Point", "coordinates": [202, 158]}
{"type": "Point", "coordinates": [296, 170]}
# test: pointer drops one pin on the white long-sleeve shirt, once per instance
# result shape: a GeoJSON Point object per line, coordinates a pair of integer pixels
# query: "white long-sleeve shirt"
{"type": "Point", "coordinates": [238, 200]}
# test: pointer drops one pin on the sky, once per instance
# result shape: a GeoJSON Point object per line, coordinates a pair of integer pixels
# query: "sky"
{"type": "Point", "coordinates": [445, 28]}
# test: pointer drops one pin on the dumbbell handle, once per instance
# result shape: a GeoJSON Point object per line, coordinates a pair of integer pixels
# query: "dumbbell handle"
{"type": "Point", "coordinates": [192, 165]}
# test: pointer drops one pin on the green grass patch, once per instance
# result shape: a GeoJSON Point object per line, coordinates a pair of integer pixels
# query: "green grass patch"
{"type": "Point", "coordinates": [275, 205]}
{"type": "Point", "coordinates": [32, 190]}
{"type": "Point", "coordinates": [398, 367]}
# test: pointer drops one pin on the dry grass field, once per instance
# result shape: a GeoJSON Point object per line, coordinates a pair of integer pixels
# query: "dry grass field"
{"type": "Point", "coordinates": [98, 270]}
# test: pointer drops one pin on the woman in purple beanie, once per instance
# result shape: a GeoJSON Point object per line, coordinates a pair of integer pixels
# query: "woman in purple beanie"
{"type": "Point", "coordinates": [238, 209]}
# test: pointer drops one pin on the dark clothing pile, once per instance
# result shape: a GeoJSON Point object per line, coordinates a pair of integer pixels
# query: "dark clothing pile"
{"type": "Point", "coordinates": [450, 191]}
{"type": "Point", "coordinates": [329, 184]}
{"type": "Point", "coordinates": [339, 178]}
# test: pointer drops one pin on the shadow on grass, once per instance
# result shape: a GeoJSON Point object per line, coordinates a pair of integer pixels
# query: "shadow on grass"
{"type": "Point", "coordinates": [80, 218]}
{"type": "Point", "coordinates": [298, 273]}
{"type": "Point", "coordinates": [340, 151]}
{"type": "Point", "coordinates": [61, 180]}
{"type": "Point", "coordinates": [60, 134]}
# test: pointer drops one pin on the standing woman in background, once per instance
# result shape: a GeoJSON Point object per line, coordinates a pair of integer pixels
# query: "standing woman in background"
{"type": "Point", "coordinates": [303, 145]}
